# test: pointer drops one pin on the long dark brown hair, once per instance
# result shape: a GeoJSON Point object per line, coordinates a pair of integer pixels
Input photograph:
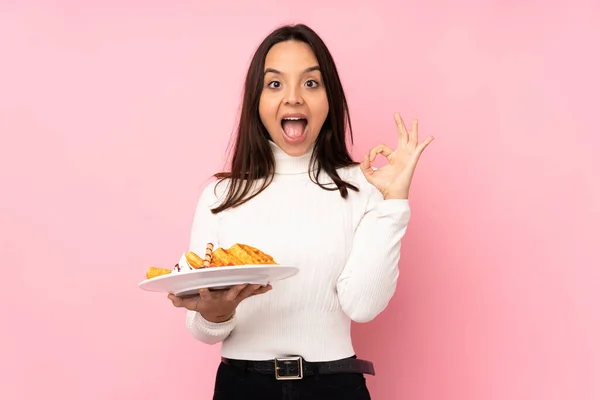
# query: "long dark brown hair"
{"type": "Point", "coordinates": [252, 161]}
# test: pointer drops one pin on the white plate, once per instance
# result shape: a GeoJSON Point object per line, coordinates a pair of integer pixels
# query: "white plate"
{"type": "Point", "coordinates": [187, 283]}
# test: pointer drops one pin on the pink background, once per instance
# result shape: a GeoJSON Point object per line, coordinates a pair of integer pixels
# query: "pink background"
{"type": "Point", "coordinates": [113, 114]}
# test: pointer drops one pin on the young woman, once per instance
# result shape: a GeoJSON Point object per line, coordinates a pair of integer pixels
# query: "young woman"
{"type": "Point", "coordinates": [294, 192]}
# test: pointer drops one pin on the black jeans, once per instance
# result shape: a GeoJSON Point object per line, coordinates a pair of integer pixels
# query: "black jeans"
{"type": "Point", "coordinates": [234, 384]}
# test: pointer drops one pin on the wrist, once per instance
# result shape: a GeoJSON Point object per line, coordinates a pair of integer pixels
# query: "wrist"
{"type": "Point", "coordinates": [403, 195]}
{"type": "Point", "coordinates": [216, 319]}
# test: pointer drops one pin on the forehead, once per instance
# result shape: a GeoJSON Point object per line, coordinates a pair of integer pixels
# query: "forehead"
{"type": "Point", "coordinates": [290, 56]}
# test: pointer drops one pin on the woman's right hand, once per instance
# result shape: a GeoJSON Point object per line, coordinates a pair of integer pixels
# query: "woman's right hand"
{"type": "Point", "coordinates": [218, 305]}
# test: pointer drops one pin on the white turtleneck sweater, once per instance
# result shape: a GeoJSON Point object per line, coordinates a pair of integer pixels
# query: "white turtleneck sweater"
{"type": "Point", "coordinates": [347, 251]}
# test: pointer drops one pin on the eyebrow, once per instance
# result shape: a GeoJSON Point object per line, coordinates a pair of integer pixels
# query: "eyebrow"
{"type": "Point", "coordinates": [309, 69]}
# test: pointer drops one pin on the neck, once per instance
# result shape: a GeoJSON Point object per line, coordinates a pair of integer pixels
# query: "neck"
{"type": "Point", "coordinates": [290, 165]}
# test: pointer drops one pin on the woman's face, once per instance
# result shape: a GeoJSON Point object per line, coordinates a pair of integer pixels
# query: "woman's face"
{"type": "Point", "coordinates": [293, 103]}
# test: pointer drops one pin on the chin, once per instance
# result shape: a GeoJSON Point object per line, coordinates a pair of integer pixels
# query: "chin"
{"type": "Point", "coordinates": [295, 149]}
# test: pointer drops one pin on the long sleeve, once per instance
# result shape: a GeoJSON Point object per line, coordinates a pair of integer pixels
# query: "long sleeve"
{"type": "Point", "coordinates": [205, 230]}
{"type": "Point", "coordinates": [206, 331]}
{"type": "Point", "coordinates": [368, 280]}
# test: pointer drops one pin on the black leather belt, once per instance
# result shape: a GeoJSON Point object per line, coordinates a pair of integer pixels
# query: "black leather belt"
{"type": "Point", "coordinates": [288, 368]}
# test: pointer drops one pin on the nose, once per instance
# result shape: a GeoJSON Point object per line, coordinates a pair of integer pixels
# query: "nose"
{"type": "Point", "coordinates": [293, 96]}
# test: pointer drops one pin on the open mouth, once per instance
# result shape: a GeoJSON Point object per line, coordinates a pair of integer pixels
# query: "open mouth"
{"type": "Point", "coordinates": [294, 127]}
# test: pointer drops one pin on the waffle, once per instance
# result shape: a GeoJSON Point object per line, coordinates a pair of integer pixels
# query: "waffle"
{"type": "Point", "coordinates": [153, 272]}
{"type": "Point", "coordinates": [238, 254]}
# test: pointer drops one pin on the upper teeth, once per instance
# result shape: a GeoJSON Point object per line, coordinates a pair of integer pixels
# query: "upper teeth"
{"type": "Point", "coordinates": [293, 118]}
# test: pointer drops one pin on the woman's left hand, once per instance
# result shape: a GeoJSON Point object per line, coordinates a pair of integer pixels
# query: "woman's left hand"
{"type": "Point", "coordinates": [393, 180]}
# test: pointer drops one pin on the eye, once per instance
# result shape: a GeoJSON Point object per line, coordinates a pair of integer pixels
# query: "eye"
{"type": "Point", "coordinates": [274, 85]}
{"type": "Point", "coordinates": [312, 83]}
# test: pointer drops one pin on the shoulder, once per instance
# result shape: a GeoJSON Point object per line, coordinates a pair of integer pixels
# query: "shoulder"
{"type": "Point", "coordinates": [214, 192]}
{"type": "Point", "coordinates": [354, 175]}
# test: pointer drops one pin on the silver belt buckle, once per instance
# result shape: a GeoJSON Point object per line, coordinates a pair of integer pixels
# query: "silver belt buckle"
{"type": "Point", "coordinates": [285, 361]}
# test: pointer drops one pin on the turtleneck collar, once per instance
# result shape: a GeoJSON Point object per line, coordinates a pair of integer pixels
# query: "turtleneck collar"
{"type": "Point", "coordinates": [290, 165]}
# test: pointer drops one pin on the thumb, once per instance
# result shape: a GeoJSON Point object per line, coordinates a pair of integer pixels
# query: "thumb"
{"type": "Point", "coordinates": [365, 166]}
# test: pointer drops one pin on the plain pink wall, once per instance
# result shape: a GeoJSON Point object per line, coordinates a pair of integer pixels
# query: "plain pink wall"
{"type": "Point", "coordinates": [112, 115]}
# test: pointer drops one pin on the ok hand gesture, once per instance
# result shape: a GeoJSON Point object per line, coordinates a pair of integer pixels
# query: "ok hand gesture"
{"type": "Point", "coordinates": [393, 180]}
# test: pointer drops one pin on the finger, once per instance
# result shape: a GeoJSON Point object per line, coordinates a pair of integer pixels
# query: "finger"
{"type": "Point", "coordinates": [205, 293]}
{"type": "Point", "coordinates": [365, 165]}
{"type": "Point", "coordinates": [261, 290]}
{"type": "Point", "coordinates": [234, 292]}
{"type": "Point", "coordinates": [177, 301]}
{"type": "Point", "coordinates": [420, 148]}
{"type": "Point", "coordinates": [380, 149]}
{"type": "Point", "coordinates": [402, 132]}
{"type": "Point", "coordinates": [247, 291]}
{"type": "Point", "coordinates": [218, 290]}
{"type": "Point", "coordinates": [425, 143]}
{"type": "Point", "coordinates": [414, 133]}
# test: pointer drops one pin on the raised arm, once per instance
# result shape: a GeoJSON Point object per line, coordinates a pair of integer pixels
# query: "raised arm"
{"type": "Point", "coordinates": [368, 280]}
